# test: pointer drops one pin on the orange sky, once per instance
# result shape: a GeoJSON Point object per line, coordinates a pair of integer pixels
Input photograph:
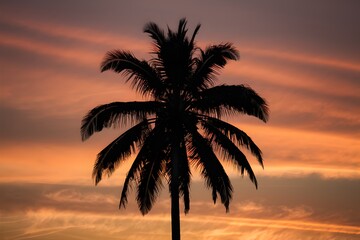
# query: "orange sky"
{"type": "Point", "coordinates": [303, 57]}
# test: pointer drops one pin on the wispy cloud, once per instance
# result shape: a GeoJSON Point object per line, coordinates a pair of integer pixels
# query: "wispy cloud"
{"type": "Point", "coordinates": [72, 196]}
{"type": "Point", "coordinates": [51, 223]}
{"type": "Point", "coordinates": [296, 149]}
{"type": "Point", "coordinates": [73, 56]}
{"type": "Point", "coordinates": [344, 64]}
{"type": "Point", "coordinates": [83, 35]}
{"type": "Point", "coordinates": [280, 76]}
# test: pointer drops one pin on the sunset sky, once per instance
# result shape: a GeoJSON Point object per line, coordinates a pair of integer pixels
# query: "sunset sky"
{"type": "Point", "coordinates": [302, 56]}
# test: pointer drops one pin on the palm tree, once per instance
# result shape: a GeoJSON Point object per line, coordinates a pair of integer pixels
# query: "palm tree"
{"type": "Point", "coordinates": [180, 125]}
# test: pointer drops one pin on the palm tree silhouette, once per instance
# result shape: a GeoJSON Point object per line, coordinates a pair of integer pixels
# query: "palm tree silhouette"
{"type": "Point", "coordinates": [180, 126]}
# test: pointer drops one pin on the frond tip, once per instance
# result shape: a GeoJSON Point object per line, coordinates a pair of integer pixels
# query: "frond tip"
{"type": "Point", "coordinates": [111, 114]}
{"type": "Point", "coordinates": [118, 150]}
{"type": "Point", "coordinates": [233, 99]}
{"type": "Point", "coordinates": [144, 78]}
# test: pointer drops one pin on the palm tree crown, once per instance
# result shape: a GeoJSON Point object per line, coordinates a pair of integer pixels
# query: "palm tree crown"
{"type": "Point", "coordinates": [180, 126]}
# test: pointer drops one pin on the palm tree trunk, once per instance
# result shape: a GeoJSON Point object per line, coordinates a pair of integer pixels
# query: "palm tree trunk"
{"type": "Point", "coordinates": [175, 210]}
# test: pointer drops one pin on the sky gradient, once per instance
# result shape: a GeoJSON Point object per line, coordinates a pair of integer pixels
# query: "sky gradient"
{"type": "Point", "coordinates": [303, 57]}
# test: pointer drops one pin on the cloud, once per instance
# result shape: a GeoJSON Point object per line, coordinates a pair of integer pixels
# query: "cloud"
{"type": "Point", "coordinates": [81, 34]}
{"type": "Point", "coordinates": [292, 152]}
{"type": "Point", "coordinates": [54, 224]}
{"type": "Point", "coordinates": [300, 208]}
{"type": "Point", "coordinates": [302, 58]}
{"type": "Point", "coordinates": [249, 207]}
{"type": "Point", "coordinates": [305, 198]}
{"type": "Point", "coordinates": [72, 196]}
{"type": "Point", "coordinates": [56, 52]}
{"type": "Point", "coordinates": [299, 212]}
{"type": "Point", "coordinates": [28, 125]}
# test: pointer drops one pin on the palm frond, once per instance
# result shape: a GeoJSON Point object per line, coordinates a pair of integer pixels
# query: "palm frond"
{"type": "Point", "coordinates": [144, 78]}
{"type": "Point", "coordinates": [121, 148]}
{"type": "Point", "coordinates": [236, 135]}
{"type": "Point", "coordinates": [156, 34]}
{"type": "Point", "coordinates": [182, 30]}
{"type": "Point", "coordinates": [132, 174]}
{"type": "Point", "coordinates": [108, 115]}
{"type": "Point", "coordinates": [146, 170]}
{"type": "Point", "coordinates": [197, 28]}
{"type": "Point", "coordinates": [149, 184]}
{"type": "Point", "coordinates": [174, 57]}
{"type": "Point", "coordinates": [233, 98]}
{"type": "Point", "coordinates": [211, 61]}
{"type": "Point", "coordinates": [230, 150]}
{"type": "Point", "coordinates": [215, 176]}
